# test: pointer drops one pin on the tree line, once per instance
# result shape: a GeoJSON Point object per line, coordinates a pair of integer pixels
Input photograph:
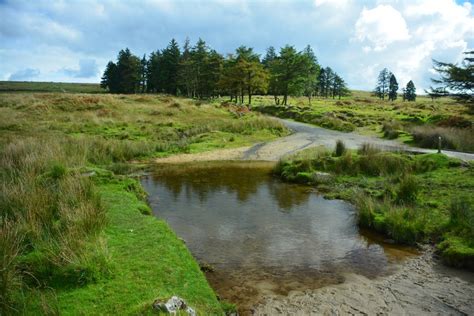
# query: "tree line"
{"type": "Point", "coordinates": [387, 86]}
{"type": "Point", "coordinates": [201, 72]}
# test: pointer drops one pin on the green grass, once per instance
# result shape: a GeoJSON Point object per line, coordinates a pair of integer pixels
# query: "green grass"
{"type": "Point", "coordinates": [73, 245]}
{"type": "Point", "coordinates": [409, 198]}
{"type": "Point", "coordinates": [147, 259]}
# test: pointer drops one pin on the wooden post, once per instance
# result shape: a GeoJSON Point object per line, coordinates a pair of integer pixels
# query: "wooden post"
{"type": "Point", "coordinates": [439, 144]}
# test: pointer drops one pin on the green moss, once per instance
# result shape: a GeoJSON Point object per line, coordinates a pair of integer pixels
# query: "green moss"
{"type": "Point", "coordinates": [457, 252]}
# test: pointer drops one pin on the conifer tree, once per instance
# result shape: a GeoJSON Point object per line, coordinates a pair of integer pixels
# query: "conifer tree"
{"type": "Point", "coordinates": [310, 74]}
{"type": "Point", "coordinates": [410, 91]}
{"type": "Point", "coordinates": [456, 80]}
{"type": "Point", "coordinates": [392, 88]}
{"type": "Point", "coordinates": [110, 78]}
{"type": "Point", "coordinates": [383, 82]}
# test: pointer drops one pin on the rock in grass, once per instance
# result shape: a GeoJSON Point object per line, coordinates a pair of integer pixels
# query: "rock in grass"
{"type": "Point", "coordinates": [173, 306]}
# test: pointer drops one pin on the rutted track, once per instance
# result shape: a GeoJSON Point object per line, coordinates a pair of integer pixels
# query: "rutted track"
{"type": "Point", "coordinates": [305, 136]}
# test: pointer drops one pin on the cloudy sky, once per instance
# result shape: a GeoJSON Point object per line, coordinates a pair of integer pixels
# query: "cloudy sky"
{"type": "Point", "coordinates": [47, 40]}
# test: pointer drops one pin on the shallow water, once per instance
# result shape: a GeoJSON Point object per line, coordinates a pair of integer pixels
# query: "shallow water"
{"type": "Point", "coordinates": [263, 236]}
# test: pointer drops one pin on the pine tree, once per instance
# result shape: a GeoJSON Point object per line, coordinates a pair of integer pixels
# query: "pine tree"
{"type": "Point", "coordinates": [321, 85]}
{"type": "Point", "coordinates": [270, 56]}
{"type": "Point", "coordinates": [170, 58]}
{"type": "Point", "coordinates": [128, 68]}
{"type": "Point", "coordinates": [186, 80]}
{"type": "Point", "coordinates": [457, 80]}
{"type": "Point", "coordinates": [383, 82]}
{"type": "Point", "coordinates": [288, 72]}
{"type": "Point", "coordinates": [310, 74]}
{"type": "Point", "coordinates": [340, 88]}
{"type": "Point", "coordinates": [271, 63]}
{"type": "Point", "coordinates": [153, 72]}
{"type": "Point", "coordinates": [410, 91]}
{"type": "Point", "coordinates": [110, 78]}
{"type": "Point", "coordinates": [392, 88]}
{"type": "Point", "coordinates": [329, 82]}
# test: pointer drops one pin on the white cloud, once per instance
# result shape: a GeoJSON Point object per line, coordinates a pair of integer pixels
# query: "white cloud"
{"type": "Point", "coordinates": [381, 26]}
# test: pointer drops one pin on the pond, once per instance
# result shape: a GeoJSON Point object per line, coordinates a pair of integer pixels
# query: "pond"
{"type": "Point", "coordinates": [263, 236]}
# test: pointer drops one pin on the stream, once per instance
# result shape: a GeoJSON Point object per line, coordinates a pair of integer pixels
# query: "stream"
{"type": "Point", "coordinates": [261, 236]}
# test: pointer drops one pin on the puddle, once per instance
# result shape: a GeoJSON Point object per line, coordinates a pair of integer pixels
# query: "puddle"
{"type": "Point", "coordinates": [261, 235]}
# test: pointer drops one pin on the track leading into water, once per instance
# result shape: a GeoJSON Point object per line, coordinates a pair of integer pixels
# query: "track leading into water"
{"type": "Point", "coordinates": [305, 136]}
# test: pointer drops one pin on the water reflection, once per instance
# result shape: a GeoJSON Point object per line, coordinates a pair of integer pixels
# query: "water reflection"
{"type": "Point", "coordinates": [262, 235]}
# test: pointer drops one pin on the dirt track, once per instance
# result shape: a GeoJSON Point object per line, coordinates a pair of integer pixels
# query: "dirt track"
{"type": "Point", "coordinates": [304, 136]}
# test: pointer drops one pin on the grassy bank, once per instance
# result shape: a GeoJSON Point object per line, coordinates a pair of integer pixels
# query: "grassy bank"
{"type": "Point", "coordinates": [409, 198]}
{"type": "Point", "coordinates": [418, 123]}
{"type": "Point", "coordinates": [73, 239]}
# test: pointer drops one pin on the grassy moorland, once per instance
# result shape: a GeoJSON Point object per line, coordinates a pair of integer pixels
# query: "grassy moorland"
{"type": "Point", "coordinates": [73, 237]}
{"type": "Point", "coordinates": [418, 123]}
{"type": "Point", "coordinates": [409, 198]}
{"type": "Point", "coordinates": [65, 87]}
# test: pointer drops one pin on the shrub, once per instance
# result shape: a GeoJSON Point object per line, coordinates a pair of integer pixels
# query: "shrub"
{"type": "Point", "coordinates": [461, 218]}
{"type": "Point", "coordinates": [340, 148]}
{"type": "Point", "coordinates": [346, 164]}
{"type": "Point", "coordinates": [391, 130]}
{"type": "Point", "coordinates": [408, 189]}
{"type": "Point", "coordinates": [383, 163]}
{"type": "Point", "coordinates": [368, 149]}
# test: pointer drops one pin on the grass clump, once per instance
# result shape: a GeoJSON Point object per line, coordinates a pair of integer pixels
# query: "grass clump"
{"type": "Point", "coordinates": [340, 148]}
{"type": "Point", "coordinates": [461, 139]}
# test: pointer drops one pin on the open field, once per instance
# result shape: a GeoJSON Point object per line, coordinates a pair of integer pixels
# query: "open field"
{"type": "Point", "coordinates": [418, 123]}
{"type": "Point", "coordinates": [71, 225]}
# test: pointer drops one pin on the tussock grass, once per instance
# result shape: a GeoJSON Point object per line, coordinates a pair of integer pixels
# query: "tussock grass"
{"type": "Point", "coordinates": [340, 148]}
{"type": "Point", "coordinates": [410, 198]}
{"type": "Point", "coordinates": [451, 138]}
{"type": "Point", "coordinates": [51, 219]}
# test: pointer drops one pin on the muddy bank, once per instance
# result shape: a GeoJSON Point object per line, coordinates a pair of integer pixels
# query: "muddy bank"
{"type": "Point", "coordinates": [421, 286]}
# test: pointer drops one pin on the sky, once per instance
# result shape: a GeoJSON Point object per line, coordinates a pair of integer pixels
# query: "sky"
{"type": "Point", "coordinates": [72, 41]}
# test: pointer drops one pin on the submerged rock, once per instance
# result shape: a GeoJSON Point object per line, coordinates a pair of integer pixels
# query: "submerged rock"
{"type": "Point", "coordinates": [173, 306]}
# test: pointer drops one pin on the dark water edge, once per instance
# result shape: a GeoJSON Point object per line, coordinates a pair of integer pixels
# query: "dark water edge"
{"type": "Point", "coordinates": [263, 236]}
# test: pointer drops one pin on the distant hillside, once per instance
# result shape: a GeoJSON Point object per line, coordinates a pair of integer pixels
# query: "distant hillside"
{"type": "Point", "coordinates": [30, 86]}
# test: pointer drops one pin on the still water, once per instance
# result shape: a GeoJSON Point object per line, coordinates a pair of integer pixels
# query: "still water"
{"type": "Point", "coordinates": [263, 236]}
